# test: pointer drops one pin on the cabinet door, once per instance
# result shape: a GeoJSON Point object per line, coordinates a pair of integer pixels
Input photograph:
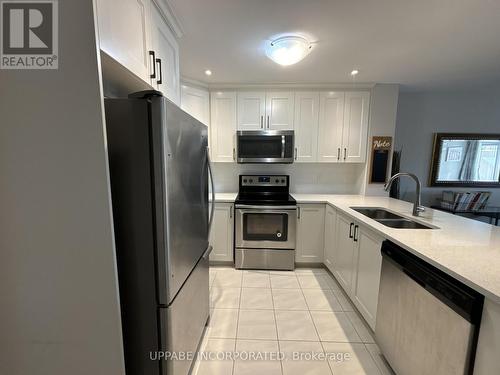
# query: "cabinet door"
{"type": "Point", "coordinates": [221, 234]}
{"type": "Point", "coordinates": [344, 262]}
{"type": "Point", "coordinates": [124, 33]}
{"type": "Point", "coordinates": [279, 110]}
{"type": "Point", "coordinates": [331, 117]}
{"type": "Point", "coordinates": [310, 233]}
{"type": "Point", "coordinates": [368, 264]}
{"type": "Point", "coordinates": [167, 57]}
{"type": "Point", "coordinates": [355, 131]}
{"type": "Point", "coordinates": [306, 126]}
{"type": "Point", "coordinates": [196, 102]}
{"type": "Point", "coordinates": [223, 126]}
{"type": "Point", "coordinates": [330, 220]}
{"type": "Point", "coordinates": [251, 110]}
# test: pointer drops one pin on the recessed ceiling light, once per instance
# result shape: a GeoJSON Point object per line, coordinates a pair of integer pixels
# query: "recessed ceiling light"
{"type": "Point", "coordinates": [354, 72]}
{"type": "Point", "coordinates": [208, 72]}
{"type": "Point", "coordinates": [288, 50]}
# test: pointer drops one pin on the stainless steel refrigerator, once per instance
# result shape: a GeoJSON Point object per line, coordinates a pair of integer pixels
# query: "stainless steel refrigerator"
{"type": "Point", "coordinates": [159, 169]}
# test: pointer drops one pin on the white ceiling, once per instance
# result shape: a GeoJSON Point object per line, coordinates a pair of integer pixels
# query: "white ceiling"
{"type": "Point", "coordinates": [417, 43]}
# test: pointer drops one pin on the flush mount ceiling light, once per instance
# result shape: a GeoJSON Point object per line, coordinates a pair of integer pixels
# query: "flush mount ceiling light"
{"type": "Point", "coordinates": [208, 72]}
{"type": "Point", "coordinates": [355, 72]}
{"type": "Point", "coordinates": [288, 50]}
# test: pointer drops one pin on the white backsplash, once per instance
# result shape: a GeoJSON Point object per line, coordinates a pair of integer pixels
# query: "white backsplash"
{"type": "Point", "coordinates": [304, 177]}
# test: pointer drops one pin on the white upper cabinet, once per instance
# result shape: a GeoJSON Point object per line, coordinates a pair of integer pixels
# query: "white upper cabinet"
{"type": "Point", "coordinates": [306, 126]}
{"type": "Point", "coordinates": [223, 126]}
{"type": "Point", "coordinates": [355, 130]}
{"type": "Point", "coordinates": [330, 126]}
{"type": "Point", "coordinates": [260, 110]}
{"type": "Point", "coordinates": [251, 110]}
{"type": "Point", "coordinates": [279, 110]}
{"type": "Point", "coordinates": [331, 121]}
{"type": "Point", "coordinates": [134, 33]}
{"type": "Point", "coordinates": [124, 33]}
{"type": "Point", "coordinates": [166, 52]}
{"type": "Point", "coordinates": [196, 102]}
{"type": "Point", "coordinates": [343, 126]}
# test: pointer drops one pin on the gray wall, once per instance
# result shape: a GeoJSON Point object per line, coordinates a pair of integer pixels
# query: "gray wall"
{"type": "Point", "coordinates": [59, 308]}
{"type": "Point", "coordinates": [420, 114]}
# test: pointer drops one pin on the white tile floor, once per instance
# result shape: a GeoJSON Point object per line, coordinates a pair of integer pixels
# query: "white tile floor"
{"type": "Point", "coordinates": [301, 315]}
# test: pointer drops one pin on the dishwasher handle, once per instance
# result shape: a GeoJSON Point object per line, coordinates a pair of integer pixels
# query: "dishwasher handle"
{"type": "Point", "coordinates": [455, 294]}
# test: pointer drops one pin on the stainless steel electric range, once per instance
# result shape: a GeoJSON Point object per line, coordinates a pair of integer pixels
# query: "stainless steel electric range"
{"type": "Point", "coordinates": [265, 223]}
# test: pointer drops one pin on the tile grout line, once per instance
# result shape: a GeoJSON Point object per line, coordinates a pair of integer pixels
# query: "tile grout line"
{"type": "Point", "coordinates": [237, 322]}
{"type": "Point", "coordinates": [315, 328]}
{"type": "Point", "coordinates": [275, 323]}
{"type": "Point", "coordinates": [374, 359]}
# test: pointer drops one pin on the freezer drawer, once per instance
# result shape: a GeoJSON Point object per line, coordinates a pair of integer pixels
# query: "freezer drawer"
{"type": "Point", "coordinates": [183, 322]}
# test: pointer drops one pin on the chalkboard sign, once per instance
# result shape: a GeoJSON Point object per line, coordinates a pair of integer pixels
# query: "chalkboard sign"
{"type": "Point", "coordinates": [381, 148]}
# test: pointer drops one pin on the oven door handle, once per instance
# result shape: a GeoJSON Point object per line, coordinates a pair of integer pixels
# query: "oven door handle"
{"type": "Point", "coordinates": [273, 208]}
{"type": "Point", "coordinates": [273, 212]}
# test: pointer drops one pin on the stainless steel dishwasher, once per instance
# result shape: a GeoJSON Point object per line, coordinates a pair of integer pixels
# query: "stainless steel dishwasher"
{"type": "Point", "coordinates": [427, 321]}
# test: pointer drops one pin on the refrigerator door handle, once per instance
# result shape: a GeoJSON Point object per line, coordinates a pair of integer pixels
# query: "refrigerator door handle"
{"type": "Point", "coordinates": [212, 208]}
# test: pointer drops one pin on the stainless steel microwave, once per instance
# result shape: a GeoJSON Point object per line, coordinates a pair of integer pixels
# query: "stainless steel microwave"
{"type": "Point", "coordinates": [265, 146]}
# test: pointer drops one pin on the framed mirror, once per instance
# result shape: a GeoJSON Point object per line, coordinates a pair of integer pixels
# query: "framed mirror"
{"type": "Point", "coordinates": [461, 159]}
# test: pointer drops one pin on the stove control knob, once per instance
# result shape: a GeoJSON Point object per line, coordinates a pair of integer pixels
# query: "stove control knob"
{"type": "Point", "coordinates": [277, 181]}
{"type": "Point", "coordinates": [250, 180]}
{"type": "Point", "coordinates": [245, 180]}
{"type": "Point", "coordinates": [282, 181]}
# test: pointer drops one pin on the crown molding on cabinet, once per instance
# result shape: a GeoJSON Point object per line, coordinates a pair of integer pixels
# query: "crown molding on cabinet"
{"type": "Point", "coordinates": [168, 13]}
{"type": "Point", "coordinates": [194, 82]}
{"type": "Point", "coordinates": [291, 86]}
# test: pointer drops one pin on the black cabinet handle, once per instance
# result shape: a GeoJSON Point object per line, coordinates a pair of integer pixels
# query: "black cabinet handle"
{"type": "Point", "coordinates": [345, 153]}
{"type": "Point", "coordinates": [160, 81]}
{"type": "Point", "coordinates": [356, 233]}
{"type": "Point", "coordinates": [350, 230]}
{"type": "Point", "coordinates": [152, 54]}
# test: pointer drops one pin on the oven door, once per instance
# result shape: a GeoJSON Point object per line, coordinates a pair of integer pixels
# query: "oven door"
{"type": "Point", "coordinates": [266, 227]}
{"type": "Point", "coordinates": [265, 146]}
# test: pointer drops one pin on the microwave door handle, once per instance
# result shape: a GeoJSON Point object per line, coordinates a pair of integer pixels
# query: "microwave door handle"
{"type": "Point", "coordinates": [212, 207]}
{"type": "Point", "coordinates": [282, 146]}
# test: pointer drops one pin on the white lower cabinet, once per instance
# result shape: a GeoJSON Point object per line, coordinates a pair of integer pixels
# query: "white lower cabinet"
{"type": "Point", "coordinates": [330, 223]}
{"type": "Point", "coordinates": [221, 234]}
{"type": "Point", "coordinates": [357, 263]}
{"type": "Point", "coordinates": [344, 262]}
{"type": "Point", "coordinates": [368, 264]}
{"type": "Point", "coordinates": [310, 233]}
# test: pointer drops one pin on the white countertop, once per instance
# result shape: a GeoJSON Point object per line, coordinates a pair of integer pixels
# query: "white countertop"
{"type": "Point", "coordinates": [469, 250]}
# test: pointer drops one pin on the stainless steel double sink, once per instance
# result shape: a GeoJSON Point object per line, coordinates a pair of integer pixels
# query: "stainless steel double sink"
{"type": "Point", "coordinates": [390, 219]}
